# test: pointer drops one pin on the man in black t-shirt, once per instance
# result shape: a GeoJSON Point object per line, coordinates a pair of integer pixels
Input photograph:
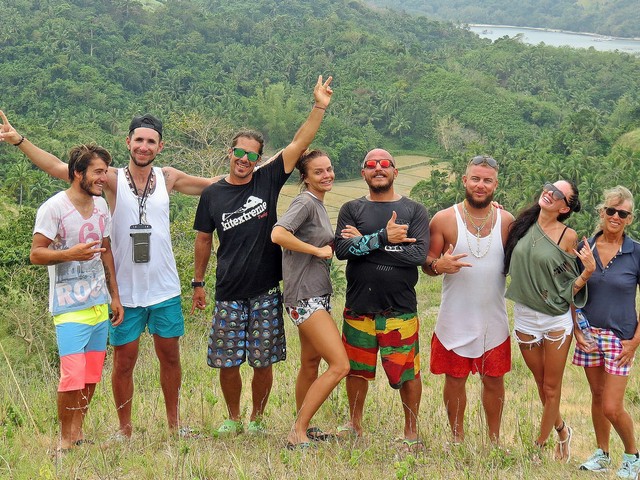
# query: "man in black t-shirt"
{"type": "Point", "coordinates": [384, 237]}
{"type": "Point", "coordinates": [241, 209]}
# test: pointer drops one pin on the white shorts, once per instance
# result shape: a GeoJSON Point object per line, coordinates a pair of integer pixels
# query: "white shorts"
{"type": "Point", "coordinates": [531, 322]}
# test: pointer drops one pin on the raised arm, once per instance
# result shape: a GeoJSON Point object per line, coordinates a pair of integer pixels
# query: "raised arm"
{"type": "Point", "coordinates": [305, 134]}
{"type": "Point", "coordinates": [45, 161]}
{"type": "Point", "coordinates": [184, 183]}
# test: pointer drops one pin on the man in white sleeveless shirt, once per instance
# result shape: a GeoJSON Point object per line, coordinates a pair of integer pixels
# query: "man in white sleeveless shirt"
{"type": "Point", "coordinates": [138, 197]}
{"type": "Point", "coordinates": [472, 330]}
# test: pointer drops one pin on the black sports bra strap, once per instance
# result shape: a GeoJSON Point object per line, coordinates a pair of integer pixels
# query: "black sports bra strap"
{"type": "Point", "coordinates": [562, 235]}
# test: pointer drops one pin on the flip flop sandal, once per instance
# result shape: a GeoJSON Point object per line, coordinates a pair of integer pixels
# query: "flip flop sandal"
{"type": "Point", "coordinates": [83, 441]}
{"type": "Point", "coordinates": [317, 435]}
{"type": "Point", "coordinates": [298, 446]}
{"type": "Point", "coordinates": [230, 427]}
{"type": "Point", "coordinates": [413, 446]}
{"type": "Point", "coordinates": [347, 431]}
{"type": "Point", "coordinates": [563, 447]}
{"type": "Point", "coordinates": [256, 427]}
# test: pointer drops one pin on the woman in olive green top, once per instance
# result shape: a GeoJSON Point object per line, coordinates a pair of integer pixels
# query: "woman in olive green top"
{"type": "Point", "coordinates": [540, 257]}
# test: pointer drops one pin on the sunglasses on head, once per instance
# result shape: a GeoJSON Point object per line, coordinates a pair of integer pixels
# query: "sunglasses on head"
{"type": "Point", "coordinates": [621, 213]}
{"type": "Point", "coordinates": [484, 159]}
{"type": "Point", "coordinates": [241, 152]}
{"type": "Point", "coordinates": [555, 192]}
{"type": "Point", "coordinates": [371, 164]}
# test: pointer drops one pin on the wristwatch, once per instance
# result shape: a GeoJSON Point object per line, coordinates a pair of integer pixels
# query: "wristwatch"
{"type": "Point", "coordinates": [195, 284]}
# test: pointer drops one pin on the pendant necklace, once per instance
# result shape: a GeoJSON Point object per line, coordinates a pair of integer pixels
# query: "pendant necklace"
{"type": "Point", "coordinates": [477, 253]}
{"type": "Point", "coordinates": [535, 240]}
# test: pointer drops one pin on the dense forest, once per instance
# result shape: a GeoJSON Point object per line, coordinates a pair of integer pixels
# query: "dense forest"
{"type": "Point", "coordinates": [617, 18]}
{"type": "Point", "coordinates": [75, 71]}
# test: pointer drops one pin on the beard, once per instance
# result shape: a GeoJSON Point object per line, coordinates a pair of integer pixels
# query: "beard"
{"type": "Point", "coordinates": [138, 163]}
{"type": "Point", "coordinates": [475, 203]}
{"type": "Point", "coordinates": [379, 188]}
{"type": "Point", "coordinates": [88, 187]}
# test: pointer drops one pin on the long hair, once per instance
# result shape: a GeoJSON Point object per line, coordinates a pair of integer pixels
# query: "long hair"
{"type": "Point", "coordinates": [525, 220]}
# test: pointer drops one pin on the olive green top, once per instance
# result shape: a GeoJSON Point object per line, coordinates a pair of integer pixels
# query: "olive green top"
{"type": "Point", "coordinates": [542, 275]}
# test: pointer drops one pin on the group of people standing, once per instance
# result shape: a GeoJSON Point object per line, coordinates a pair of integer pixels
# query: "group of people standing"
{"type": "Point", "coordinates": [385, 238]}
{"type": "Point", "coordinates": [476, 245]}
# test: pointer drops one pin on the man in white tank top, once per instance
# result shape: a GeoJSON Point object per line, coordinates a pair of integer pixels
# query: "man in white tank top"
{"type": "Point", "coordinates": [138, 195]}
{"type": "Point", "coordinates": [472, 330]}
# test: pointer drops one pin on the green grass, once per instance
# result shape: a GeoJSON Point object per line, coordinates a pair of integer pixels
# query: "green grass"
{"type": "Point", "coordinates": [28, 428]}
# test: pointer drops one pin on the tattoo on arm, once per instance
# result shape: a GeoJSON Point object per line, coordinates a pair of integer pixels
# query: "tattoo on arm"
{"type": "Point", "coordinates": [107, 277]}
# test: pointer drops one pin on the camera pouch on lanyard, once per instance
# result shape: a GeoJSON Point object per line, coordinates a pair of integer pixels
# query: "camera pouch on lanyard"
{"type": "Point", "coordinates": [140, 242]}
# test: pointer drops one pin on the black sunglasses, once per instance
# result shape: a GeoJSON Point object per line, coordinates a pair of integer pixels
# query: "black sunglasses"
{"type": "Point", "coordinates": [555, 192]}
{"type": "Point", "coordinates": [484, 159]}
{"type": "Point", "coordinates": [621, 213]}
{"type": "Point", "coordinates": [241, 152]}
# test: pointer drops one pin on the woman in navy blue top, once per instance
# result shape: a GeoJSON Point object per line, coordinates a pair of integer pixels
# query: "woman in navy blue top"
{"type": "Point", "coordinates": [611, 312]}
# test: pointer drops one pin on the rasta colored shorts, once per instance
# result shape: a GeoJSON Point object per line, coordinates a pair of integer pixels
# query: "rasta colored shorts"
{"type": "Point", "coordinates": [394, 334]}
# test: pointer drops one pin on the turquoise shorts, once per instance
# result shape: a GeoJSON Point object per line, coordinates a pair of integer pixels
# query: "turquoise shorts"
{"type": "Point", "coordinates": [164, 319]}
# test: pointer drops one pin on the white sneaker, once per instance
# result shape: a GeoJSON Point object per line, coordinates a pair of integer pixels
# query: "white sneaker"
{"type": "Point", "coordinates": [598, 462]}
{"type": "Point", "coordinates": [630, 467]}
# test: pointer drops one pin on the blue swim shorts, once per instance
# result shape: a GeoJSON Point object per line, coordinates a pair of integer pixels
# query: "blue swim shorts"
{"type": "Point", "coordinates": [164, 319]}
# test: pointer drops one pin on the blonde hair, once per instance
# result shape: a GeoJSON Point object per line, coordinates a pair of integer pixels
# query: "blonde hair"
{"type": "Point", "coordinates": [612, 197]}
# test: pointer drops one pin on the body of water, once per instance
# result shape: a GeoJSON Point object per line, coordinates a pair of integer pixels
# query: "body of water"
{"type": "Point", "coordinates": [554, 38]}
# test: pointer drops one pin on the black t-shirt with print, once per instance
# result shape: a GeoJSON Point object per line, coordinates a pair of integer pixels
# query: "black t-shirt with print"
{"type": "Point", "coordinates": [248, 263]}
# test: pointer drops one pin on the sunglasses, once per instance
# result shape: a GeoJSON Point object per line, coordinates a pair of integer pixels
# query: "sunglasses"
{"type": "Point", "coordinates": [241, 152]}
{"type": "Point", "coordinates": [484, 159]}
{"type": "Point", "coordinates": [371, 164]}
{"type": "Point", "coordinates": [555, 192]}
{"type": "Point", "coordinates": [621, 213]}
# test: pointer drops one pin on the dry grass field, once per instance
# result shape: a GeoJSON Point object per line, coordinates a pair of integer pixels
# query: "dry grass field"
{"type": "Point", "coordinates": [28, 426]}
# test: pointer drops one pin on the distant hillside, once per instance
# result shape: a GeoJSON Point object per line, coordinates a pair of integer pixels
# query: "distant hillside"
{"type": "Point", "coordinates": [75, 71]}
{"type": "Point", "coordinates": [631, 141]}
{"type": "Point", "coordinates": [619, 18]}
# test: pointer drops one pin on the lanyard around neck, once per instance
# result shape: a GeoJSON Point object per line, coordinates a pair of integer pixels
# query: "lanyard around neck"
{"type": "Point", "coordinates": [142, 200]}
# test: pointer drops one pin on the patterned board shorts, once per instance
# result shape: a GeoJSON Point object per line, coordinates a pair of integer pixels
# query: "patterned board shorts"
{"type": "Point", "coordinates": [609, 347]}
{"type": "Point", "coordinates": [250, 329]}
{"type": "Point", "coordinates": [394, 334]}
{"type": "Point", "coordinates": [307, 307]}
